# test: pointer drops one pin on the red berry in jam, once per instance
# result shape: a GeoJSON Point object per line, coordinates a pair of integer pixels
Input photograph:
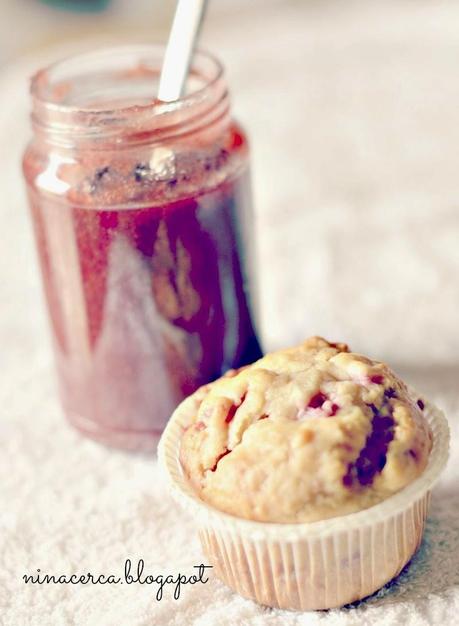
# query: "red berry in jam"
{"type": "Point", "coordinates": [377, 379]}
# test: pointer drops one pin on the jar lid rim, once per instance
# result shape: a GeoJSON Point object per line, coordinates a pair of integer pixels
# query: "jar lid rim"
{"type": "Point", "coordinates": [109, 95]}
{"type": "Point", "coordinates": [40, 81]}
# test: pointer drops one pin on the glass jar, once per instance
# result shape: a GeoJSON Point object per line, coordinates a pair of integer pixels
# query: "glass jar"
{"type": "Point", "coordinates": [142, 215]}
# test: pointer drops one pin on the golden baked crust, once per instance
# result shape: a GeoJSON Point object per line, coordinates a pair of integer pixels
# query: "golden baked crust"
{"type": "Point", "coordinates": [303, 434]}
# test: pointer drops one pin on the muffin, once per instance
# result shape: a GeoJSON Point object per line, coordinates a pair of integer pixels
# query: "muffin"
{"type": "Point", "coordinates": [304, 434]}
{"type": "Point", "coordinates": [308, 474]}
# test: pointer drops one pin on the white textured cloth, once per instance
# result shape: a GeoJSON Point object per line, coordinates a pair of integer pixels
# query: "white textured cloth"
{"type": "Point", "coordinates": [352, 110]}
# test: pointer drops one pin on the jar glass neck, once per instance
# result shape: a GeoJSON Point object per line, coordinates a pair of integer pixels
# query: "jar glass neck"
{"type": "Point", "coordinates": [107, 98]}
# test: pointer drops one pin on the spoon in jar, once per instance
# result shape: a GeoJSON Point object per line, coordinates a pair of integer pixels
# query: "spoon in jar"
{"type": "Point", "coordinates": [182, 39]}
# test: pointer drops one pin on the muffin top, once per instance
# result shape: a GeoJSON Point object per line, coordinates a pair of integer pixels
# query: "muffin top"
{"type": "Point", "coordinates": [303, 434]}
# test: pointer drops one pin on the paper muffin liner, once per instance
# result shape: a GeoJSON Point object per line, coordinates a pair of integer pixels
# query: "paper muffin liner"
{"type": "Point", "coordinates": [312, 565]}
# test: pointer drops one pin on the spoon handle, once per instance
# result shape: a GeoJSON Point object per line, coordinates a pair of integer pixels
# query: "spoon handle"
{"type": "Point", "coordinates": [185, 28]}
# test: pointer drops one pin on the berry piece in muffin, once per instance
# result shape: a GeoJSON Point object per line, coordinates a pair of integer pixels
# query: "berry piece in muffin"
{"type": "Point", "coordinates": [304, 434]}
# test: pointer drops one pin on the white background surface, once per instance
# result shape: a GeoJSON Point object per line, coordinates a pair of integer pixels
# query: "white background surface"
{"type": "Point", "coordinates": [352, 111]}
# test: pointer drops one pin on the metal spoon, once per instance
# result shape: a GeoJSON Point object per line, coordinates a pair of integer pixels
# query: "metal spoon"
{"type": "Point", "coordinates": [182, 39]}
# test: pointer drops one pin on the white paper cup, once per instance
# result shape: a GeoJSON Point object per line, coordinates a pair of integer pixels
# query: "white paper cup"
{"type": "Point", "coordinates": [315, 565]}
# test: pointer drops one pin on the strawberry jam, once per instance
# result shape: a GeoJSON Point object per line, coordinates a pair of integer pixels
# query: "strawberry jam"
{"type": "Point", "coordinates": [142, 228]}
